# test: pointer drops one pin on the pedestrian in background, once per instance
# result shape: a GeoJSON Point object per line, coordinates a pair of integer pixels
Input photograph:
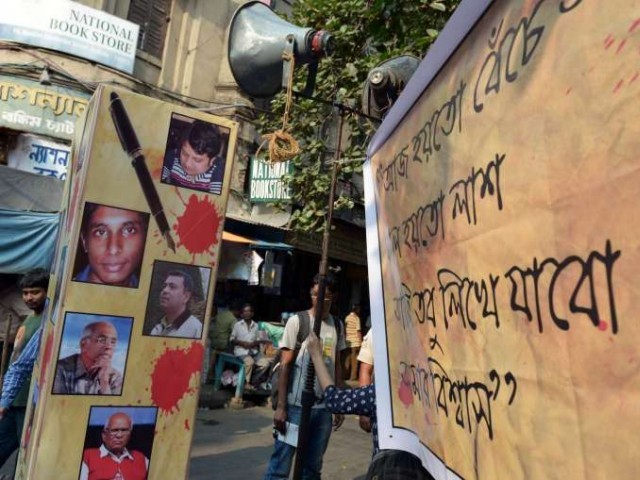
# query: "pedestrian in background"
{"type": "Point", "coordinates": [13, 403]}
{"type": "Point", "coordinates": [293, 369]}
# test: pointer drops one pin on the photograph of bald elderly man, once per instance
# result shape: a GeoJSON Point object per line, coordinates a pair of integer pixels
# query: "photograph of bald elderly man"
{"type": "Point", "coordinates": [93, 355]}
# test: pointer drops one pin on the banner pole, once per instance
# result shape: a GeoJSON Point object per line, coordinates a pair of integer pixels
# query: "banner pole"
{"type": "Point", "coordinates": [308, 396]}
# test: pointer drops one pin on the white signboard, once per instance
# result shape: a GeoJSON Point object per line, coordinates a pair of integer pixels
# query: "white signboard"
{"type": "Point", "coordinates": [36, 155]}
{"type": "Point", "coordinates": [72, 28]}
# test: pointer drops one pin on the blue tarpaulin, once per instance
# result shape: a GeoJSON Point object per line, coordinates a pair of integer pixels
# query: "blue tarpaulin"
{"type": "Point", "coordinates": [27, 240]}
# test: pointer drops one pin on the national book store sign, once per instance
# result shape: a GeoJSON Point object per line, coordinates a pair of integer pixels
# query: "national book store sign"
{"type": "Point", "coordinates": [265, 181]}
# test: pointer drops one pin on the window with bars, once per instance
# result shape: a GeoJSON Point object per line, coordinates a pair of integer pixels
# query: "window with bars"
{"type": "Point", "coordinates": [152, 16]}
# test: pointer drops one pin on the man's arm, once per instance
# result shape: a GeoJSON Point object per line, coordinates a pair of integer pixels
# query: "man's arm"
{"type": "Point", "coordinates": [314, 347]}
{"type": "Point", "coordinates": [365, 376]}
{"type": "Point", "coordinates": [19, 372]}
{"type": "Point", "coordinates": [287, 358]}
{"type": "Point", "coordinates": [17, 343]}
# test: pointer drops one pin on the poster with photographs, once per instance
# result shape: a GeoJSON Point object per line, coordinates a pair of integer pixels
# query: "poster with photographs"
{"type": "Point", "coordinates": [146, 203]}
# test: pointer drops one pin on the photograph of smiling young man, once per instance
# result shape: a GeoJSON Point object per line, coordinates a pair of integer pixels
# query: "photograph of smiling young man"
{"type": "Point", "coordinates": [176, 300]}
{"type": "Point", "coordinates": [111, 246]}
{"type": "Point", "coordinates": [93, 354]}
{"type": "Point", "coordinates": [197, 161]}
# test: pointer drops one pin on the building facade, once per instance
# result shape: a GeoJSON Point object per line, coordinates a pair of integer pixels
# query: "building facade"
{"type": "Point", "coordinates": [180, 56]}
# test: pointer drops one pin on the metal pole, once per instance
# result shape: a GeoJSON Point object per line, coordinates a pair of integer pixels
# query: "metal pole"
{"type": "Point", "coordinates": [308, 396]}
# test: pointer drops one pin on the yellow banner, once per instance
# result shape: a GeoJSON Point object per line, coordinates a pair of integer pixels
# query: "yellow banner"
{"type": "Point", "coordinates": [117, 383]}
{"type": "Point", "coordinates": [508, 256]}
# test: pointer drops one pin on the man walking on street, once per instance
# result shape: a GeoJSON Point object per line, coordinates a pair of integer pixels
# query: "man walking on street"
{"type": "Point", "coordinates": [34, 286]}
{"type": "Point", "coordinates": [294, 367]}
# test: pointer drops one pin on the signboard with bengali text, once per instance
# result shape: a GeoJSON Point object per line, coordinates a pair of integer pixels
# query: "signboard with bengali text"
{"type": "Point", "coordinates": [502, 249]}
{"type": "Point", "coordinates": [48, 110]}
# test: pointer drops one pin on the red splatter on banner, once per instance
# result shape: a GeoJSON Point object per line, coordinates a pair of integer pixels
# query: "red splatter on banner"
{"type": "Point", "coordinates": [608, 42]}
{"type": "Point", "coordinates": [198, 226]}
{"type": "Point", "coordinates": [602, 326]}
{"type": "Point", "coordinates": [46, 357]}
{"type": "Point", "coordinates": [634, 25]}
{"type": "Point", "coordinates": [186, 425]}
{"type": "Point", "coordinates": [404, 393]}
{"type": "Point", "coordinates": [172, 374]}
{"type": "Point", "coordinates": [618, 86]}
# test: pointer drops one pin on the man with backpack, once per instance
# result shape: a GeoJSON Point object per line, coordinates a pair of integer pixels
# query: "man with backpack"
{"type": "Point", "coordinates": [291, 379]}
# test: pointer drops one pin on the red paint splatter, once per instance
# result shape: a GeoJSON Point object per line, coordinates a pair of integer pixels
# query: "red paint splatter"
{"type": "Point", "coordinates": [602, 326]}
{"type": "Point", "coordinates": [618, 86]}
{"type": "Point", "coordinates": [171, 376]}
{"type": "Point", "coordinates": [186, 425]}
{"type": "Point", "coordinates": [634, 25]}
{"type": "Point", "coordinates": [568, 90]}
{"type": "Point", "coordinates": [608, 42]}
{"type": "Point", "coordinates": [27, 437]}
{"type": "Point", "coordinates": [634, 78]}
{"type": "Point", "coordinates": [621, 46]}
{"type": "Point", "coordinates": [198, 226]}
{"type": "Point", "coordinates": [404, 393]}
{"type": "Point", "coordinates": [46, 357]}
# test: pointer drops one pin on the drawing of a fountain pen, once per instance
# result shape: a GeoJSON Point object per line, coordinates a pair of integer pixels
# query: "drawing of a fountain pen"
{"type": "Point", "coordinates": [131, 145]}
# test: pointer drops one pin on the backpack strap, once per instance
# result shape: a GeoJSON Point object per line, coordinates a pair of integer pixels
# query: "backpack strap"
{"type": "Point", "coordinates": [304, 327]}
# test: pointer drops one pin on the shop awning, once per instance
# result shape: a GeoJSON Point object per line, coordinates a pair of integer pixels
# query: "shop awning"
{"type": "Point", "coordinates": [254, 242]}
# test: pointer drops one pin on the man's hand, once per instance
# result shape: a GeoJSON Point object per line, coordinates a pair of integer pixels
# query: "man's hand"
{"type": "Point", "coordinates": [102, 370]}
{"type": "Point", "coordinates": [365, 423]}
{"type": "Point", "coordinates": [2, 412]}
{"type": "Point", "coordinates": [338, 420]}
{"type": "Point", "coordinates": [280, 420]}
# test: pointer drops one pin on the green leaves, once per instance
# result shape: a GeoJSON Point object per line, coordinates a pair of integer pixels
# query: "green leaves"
{"type": "Point", "coordinates": [366, 32]}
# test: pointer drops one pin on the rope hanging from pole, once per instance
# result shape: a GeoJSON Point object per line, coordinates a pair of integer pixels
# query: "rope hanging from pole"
{"type": "Point", "coordinates": [282, 145]}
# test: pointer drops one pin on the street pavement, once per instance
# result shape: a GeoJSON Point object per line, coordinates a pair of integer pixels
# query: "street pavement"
{"type": "Point", "coordinates": [231, 444]}
{"type": "Point", "coordinates": [236, 445]}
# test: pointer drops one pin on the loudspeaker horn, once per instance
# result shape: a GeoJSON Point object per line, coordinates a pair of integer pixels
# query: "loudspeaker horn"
{"type": "Point", "coordinates": [385, 82]}
{"type": "Point", "coordinates": [257, 40]}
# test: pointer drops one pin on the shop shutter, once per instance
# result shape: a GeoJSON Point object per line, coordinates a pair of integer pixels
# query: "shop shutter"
{"type": "Point", "coordinates": [152, 16]}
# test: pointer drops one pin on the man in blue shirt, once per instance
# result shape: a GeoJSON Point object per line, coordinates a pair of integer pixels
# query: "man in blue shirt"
{"type": "Point", "coordinates": [19, 372]}
{"type": "Point", "coordinates": [16, 391]}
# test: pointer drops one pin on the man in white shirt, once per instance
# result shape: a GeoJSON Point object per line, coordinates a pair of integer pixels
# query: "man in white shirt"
{"type": "Point", "coordinates": [178, 321]}
{"type": "Point", "coordinates": [246, 346]}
